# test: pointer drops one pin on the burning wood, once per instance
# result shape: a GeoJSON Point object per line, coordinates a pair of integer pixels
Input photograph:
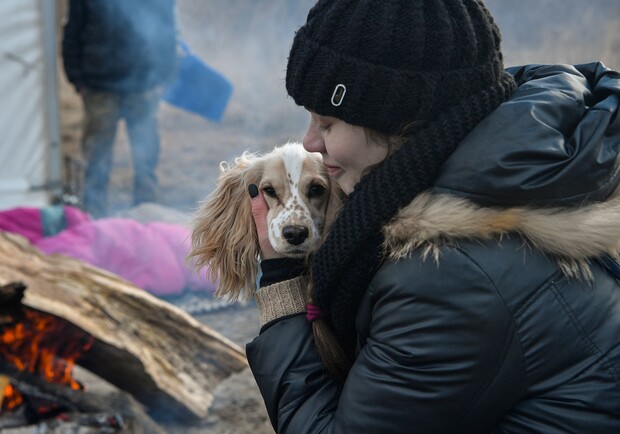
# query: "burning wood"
{"type": "Point", "coordinates": [37, 357]}
{"type": "Point", "coordinates": [51, 404]}
{"type": "Point", "coordinates": [31, 343]}
{"type": "Point", "coordinates": [161, 355]}
{"type": "Point", "coordinates": [8, 400]}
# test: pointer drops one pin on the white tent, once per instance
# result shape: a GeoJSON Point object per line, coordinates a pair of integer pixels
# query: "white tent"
{"type": "Point", "coordinates": [30, 154]}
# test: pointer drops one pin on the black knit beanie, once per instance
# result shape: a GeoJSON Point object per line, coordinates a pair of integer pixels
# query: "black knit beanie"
{"type": "Point", "coordinates": [385, 64]}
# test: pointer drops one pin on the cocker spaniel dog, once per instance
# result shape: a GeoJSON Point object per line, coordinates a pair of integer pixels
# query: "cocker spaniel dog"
{"type": "Point", "coordinates": [302, 201]}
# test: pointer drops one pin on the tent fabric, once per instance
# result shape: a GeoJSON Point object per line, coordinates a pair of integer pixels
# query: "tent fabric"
{"type": "Point", "coordinates": [24, 146]}
{"type": "Point", "coordinates": [151, 255]}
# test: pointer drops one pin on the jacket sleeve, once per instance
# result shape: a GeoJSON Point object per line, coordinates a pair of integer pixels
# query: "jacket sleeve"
{"type": "Point", "coordinates": [72, 43]}
{"type": "Point", "coordinates": [439, 347]}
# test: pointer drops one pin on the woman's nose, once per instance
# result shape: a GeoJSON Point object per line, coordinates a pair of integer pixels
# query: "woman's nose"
{"type": "Point", "coordinates": [313, 142]}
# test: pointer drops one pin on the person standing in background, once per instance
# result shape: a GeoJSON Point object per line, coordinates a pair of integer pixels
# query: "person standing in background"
{"type": "Point", "coordinates": [119, 55]}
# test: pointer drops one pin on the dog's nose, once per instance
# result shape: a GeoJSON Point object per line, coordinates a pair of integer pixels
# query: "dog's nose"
{"type": "Point", "coordinates": [295, 234]}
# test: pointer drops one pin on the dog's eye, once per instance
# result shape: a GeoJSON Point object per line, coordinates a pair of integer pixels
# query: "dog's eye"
{"type": "Point", "coordinates": [316, 190]}
{"type": "Point", "coordinates": [270, 191]}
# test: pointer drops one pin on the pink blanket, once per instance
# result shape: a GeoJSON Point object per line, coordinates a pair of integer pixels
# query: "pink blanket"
{"type": "Point", "coordinates": [151, 255]}
{"type": "Point", "coordinates": [28, 221]}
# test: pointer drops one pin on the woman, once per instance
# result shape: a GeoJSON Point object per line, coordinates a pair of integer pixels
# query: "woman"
{"type": "Point", "coordinates": [468, 283]}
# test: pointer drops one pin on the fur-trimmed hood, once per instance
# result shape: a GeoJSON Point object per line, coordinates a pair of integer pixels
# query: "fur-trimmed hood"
{"type": "Point", "coordinates": [573, 235]}
{"type": "Point", "coordinates": [544, 165]}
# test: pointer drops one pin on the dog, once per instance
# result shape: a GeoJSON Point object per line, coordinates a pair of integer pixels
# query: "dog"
{"type": "Point", "coordinates": [302, 200]}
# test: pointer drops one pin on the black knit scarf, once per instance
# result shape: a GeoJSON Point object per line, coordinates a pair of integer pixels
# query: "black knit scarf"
{"type": "Point", "coordinates": [352, 252]}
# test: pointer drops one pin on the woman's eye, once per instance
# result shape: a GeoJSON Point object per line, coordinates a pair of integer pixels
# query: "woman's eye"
{"type": "Point", "coordinates": [269, 191]}
{"type": "Point", "coordinates": [316, 190]}
{"type": "Point", "coordinates": [323, 127]}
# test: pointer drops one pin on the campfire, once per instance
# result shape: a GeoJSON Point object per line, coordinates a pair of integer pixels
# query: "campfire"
{"type": "Point", "coordinates": [30, 342]}
{"type": "Point", "coordinates": [38, 352]}
{"type": "Point", "coordinates": [158, 364]}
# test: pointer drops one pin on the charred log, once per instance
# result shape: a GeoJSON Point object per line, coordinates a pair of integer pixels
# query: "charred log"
{"type": "Point", "coordinates": [11, 294]}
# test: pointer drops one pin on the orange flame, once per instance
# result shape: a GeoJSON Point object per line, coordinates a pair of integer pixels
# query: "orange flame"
{"type": "Point", "coordinates": [45, 345]}
{"type": "Point", "coordinates": [12, 398]}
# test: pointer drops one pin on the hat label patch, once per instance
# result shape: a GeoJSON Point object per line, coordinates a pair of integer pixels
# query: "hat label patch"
{"type": "Point", "coordinates": [339, 91]}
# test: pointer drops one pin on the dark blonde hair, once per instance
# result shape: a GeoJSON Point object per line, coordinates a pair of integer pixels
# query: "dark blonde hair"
{"type": "Point", "coordinates": [391, 141]}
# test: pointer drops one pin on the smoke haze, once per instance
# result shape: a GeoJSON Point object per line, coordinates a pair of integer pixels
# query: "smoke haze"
{"type": "Point", "coordinates": [248, 41]}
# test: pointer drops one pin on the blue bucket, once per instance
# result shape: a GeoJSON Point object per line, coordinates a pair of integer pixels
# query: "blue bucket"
{"type": "Point", "coordinates": [198, 88]}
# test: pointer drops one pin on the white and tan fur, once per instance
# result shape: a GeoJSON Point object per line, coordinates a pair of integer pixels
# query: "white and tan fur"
{"type": "Point", "coordinates": [302, 200]}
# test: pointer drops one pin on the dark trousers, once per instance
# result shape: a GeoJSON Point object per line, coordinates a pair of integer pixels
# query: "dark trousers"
{"type": "Point", "coordinates": [103, 111]}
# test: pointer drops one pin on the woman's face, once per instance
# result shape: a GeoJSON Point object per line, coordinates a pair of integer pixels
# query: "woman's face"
{"type": "Point", "coordinates": [346, 149]}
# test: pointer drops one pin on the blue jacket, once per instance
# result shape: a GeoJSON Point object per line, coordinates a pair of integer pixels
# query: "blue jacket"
{"type": "Point", "coordinates": [493, 312]}
{"type": "Point", "coordinates": [120, 45]}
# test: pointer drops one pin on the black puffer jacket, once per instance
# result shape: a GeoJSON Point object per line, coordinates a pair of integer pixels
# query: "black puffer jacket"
{"type": "Point", "coordinates": [120, 45]}
{"type": "Point", "coordinates": [485, 318]}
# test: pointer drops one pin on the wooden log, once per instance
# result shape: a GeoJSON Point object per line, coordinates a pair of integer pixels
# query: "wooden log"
{"type": "Point", "coordinates": [165, 358]}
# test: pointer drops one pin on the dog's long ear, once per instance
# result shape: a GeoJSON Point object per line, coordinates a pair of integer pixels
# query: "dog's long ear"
{"type": "Point", "coordinates": [224, 236]}
{"type": "Point", "coordinates": [334, 203]}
